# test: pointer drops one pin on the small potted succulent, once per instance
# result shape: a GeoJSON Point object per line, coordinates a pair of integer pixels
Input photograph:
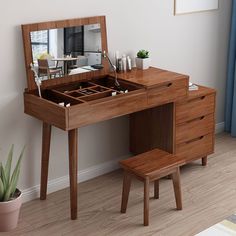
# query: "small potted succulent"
{"type": "Point", "coordinates": [143, 60]}
{"type": "Point", "coordinates": [10, 196]}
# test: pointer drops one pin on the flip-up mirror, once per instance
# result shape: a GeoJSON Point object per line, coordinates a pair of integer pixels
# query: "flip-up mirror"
{"type": "Point", "coordinates": [64, 51]}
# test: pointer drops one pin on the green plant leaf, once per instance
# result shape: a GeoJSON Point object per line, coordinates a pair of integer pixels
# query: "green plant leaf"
{"type": "Point", "coordinates": [12, 186]}
{"type": "Point", "coordinates": [8, 164]}
{"type": "Point", "coordinates": [15, 176]}
{"type": "Point", "coordinates": [2, 190]}
{"type": "Point", "coordinates": [143, 54]}
{"type": "Point", "coordinates": [3, 176]}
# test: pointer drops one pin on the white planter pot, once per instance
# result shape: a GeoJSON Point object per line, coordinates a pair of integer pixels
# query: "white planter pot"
{"type": "Point", "coordinates": [9, 214]}
{"type": "Point", "coordinates": [143, 63]}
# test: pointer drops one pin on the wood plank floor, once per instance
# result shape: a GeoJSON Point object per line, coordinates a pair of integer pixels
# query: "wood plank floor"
{"type": "Point", "coordinates": [209, 195]}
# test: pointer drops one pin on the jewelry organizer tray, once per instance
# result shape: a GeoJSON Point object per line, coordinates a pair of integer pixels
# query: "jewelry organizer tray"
{"type": "Point", "coordinates": [92, 91]}
{"type": "Point", "coordinates": [79, 103]}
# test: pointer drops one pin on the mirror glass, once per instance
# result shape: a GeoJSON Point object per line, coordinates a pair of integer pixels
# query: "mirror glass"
{"type": "Point", "coordinates": [66, 51]}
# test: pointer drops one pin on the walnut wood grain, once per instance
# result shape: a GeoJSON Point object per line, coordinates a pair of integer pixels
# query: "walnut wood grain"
{"type": "Point", "coordinates": [85, 114]}
{"type": "Point", "coordinates": [46, 140]}
{"type": "Point", "coordinates": [73, 169]}
{"type": "Point", "coordinates": [156, 189]}
{"type": "Point", "coordinates": [161, 95]}
{"type": "Point", "coordinates": [26, 29]}
{"type": "Point", "coordinates": [196, 148]}
{"type": "Point", "coordinates": [194, 108]}
{"type": "Point", "coordinates": [168, 92]}
{"type": "Point", "coordinates": [125, 191]}
{"type": "Point", "coordinates": [153, 77]}
{"type": "Point", "coordinates": [153, 164]}
{"type": "Point", "coordinates": [177, 189]}
{"type": "Point", "coordinates": [46, 111]}
{"type": "Point", "coordinates": [146, 202]}
{"type": "Point", "coordinates": [204, 161]}
{"type": "Point", "coordinates": [195, 128]}
{"type": "Point", "coordinates": [195, 117]}
{"type": "Point", "coordinates": [153, 128]}
{"type": "Point", "coordinates": [147, 167]}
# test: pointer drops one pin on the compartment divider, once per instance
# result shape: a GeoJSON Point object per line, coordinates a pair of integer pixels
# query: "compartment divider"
{"type": "Point", "coordinates": [96, 96]}
{"type": "Point", "coordinates": [67, 97]}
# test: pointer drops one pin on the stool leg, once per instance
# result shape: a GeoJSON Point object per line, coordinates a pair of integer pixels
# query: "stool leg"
{"type": "Point", "coordinates": [125, 191]}
{"type": "Point", "coordinates": [204, 161]}
{"type": "Point", "coordinates": [156, 189]}
{"type": "Point", "coordinates": [177, 189]}
{"type": "Point", "coordinates": [146, 202]}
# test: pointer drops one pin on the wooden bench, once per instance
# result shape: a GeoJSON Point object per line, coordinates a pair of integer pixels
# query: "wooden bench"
{"type": "Point", "coordinates": [150, 167]}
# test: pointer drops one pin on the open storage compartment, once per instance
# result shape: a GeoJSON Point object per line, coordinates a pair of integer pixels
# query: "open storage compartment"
{"type": "Point", "coordinates": [91, 91]}
{"type": "Point", "coordinates": [77, 104]}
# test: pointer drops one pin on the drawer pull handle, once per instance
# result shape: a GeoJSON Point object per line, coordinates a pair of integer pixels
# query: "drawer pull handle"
{"type": "Point", "coordinates": [163, 86]}
{"type": "Point", "coordinates": [193, 140]}
{"type": "Point", "coordinates": [200, 118]}
{"type": "Point", "coordinates": [197, 99]}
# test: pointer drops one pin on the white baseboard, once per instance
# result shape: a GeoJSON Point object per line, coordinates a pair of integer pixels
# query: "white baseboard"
{"type": "Point", "coordinates": [84, 175]}
{"type": "Point", "coordinates": [220, 127]}
{"type": "Point", "coordinates": [63, 182]}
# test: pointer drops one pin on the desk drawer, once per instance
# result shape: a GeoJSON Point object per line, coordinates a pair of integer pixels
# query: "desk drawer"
{"type": "Point", "coordinates": [195, 108]}
{"type": "Point", "coordinates": [89, 113]}
{"type": "Point", "coordinates": [169, 92]}
{"type": "Point", "coordinates": [194, 128]}
{"type": "Point", "coordinates": [196, 148]}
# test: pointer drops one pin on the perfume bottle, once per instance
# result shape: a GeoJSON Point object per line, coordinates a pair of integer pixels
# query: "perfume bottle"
{"type": "Point", "coordinates": [124, 63]}
{"type": "Point", "coordinates": [129, 66]}
{"type": "Point", "coordinates": [117, 60]}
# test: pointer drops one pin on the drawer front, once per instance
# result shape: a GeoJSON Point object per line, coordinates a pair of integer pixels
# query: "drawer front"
{"type": "Point", "coordinates": [169, 92]}
{"type": "Point", "coordinates": [195, 128]}
{"type": "Point", "coordinates": [45, 110]}
{"type": "Point", "coordinates": [196, 148]}
{"type": "Point", "coordinates": [195, 108]}
{"type": "Point", "coordinates": [86, 114]}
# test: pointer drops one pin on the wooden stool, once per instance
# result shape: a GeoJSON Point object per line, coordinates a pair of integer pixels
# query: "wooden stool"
{"type": "Point", "coordinates": [148, 167]}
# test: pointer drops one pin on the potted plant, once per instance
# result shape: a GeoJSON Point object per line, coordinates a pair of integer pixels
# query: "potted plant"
{"type": "Point", "coordinates": [143, 60]}
{"type": "Point", "coordinates": [10, 196]}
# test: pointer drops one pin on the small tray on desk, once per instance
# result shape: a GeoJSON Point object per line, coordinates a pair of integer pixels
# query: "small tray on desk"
{"type": "Point", "coordinates": [91, 91]}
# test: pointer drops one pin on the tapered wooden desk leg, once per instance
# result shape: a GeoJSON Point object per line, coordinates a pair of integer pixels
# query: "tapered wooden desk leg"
{"type": "Point", "coordinates": [177, 189]}
{"type": "Point", "coordinates": [73, 168]}
{"type": "Point", "coordinates": [204, 161]}
{"type": "Point", "coordinates": [156, 189]}
{"type": "Point", "coordinates": [146, 203]}
{"type": "Point", "coordinates": [46, 140]}
{"type": "Point", "coordinates": [125, 191]}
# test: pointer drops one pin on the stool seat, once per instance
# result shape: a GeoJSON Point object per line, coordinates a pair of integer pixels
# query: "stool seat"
{"type": "Point", "coordinates": [152, 163]}
{"type": "Point", "coordinates": [150, 167]}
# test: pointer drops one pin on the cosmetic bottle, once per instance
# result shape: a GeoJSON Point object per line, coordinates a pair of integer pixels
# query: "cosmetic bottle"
{"type": "Point", "coordinates": [129, 67]}
{"type": "Point", "coordinates": [124, 62]}
{"type": "Point", "coordinates": [117, 60]}
{"type": "Point", "coordinates": [120, 65]}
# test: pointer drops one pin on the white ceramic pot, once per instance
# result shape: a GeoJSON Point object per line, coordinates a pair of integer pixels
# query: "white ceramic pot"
{"type": "Point", "coordinates": [143, 63]}
{"type": "Point", "coordinates": [9, 213]}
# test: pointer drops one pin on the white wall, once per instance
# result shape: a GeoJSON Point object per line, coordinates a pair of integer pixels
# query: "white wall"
{"type": "Point", "coordinates": [194, 44]}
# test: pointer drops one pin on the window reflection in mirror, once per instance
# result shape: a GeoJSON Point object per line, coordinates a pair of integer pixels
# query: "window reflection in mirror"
{"type": "Point", "coordinates": [66, 51]}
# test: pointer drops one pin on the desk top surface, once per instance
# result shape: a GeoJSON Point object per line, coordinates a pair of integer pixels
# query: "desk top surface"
{"type": "Point", "coordinates": [151, 77]}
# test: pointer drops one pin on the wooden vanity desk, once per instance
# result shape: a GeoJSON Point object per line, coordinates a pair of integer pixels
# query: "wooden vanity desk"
{"type": "Point", "coordinates": [155, 102]}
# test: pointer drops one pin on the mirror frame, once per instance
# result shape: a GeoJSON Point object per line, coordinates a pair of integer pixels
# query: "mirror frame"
{"type": "Point", "coordinates": [26, 29]}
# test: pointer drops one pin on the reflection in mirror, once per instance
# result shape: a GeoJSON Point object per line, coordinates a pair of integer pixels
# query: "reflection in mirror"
{"type": "Point", "coordinates": [66, 51]}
